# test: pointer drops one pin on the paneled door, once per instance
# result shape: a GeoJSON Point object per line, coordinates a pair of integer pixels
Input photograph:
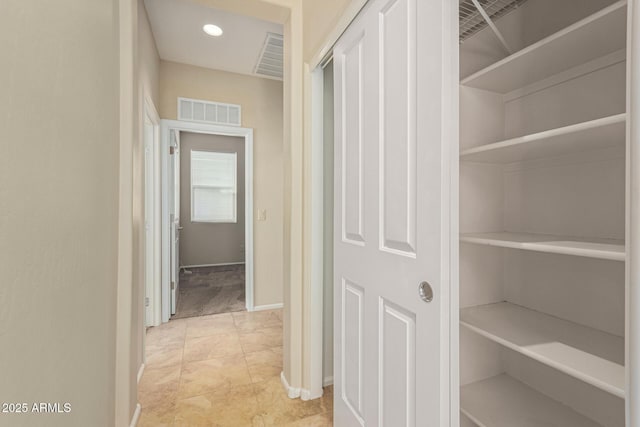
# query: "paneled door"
{"type": "Point", "coordinates": [392, 239]}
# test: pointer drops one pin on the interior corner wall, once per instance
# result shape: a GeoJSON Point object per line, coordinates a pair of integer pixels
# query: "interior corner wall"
{"type": "Point", "coordinates": [262, 109]}
{"type": "Point", "coordinates": [319, 18]}
{"type": "Point", "coordinates": [59, 209]}
{"type": "Point", "coordinates": [149, 59]}
{"type": "Point", "coordinates": [148, 68]}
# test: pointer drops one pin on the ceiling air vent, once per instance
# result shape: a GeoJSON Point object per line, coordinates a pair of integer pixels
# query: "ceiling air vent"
{"type": "Point", "coordinates": [196, 110]}
{"type": "Point", "coordinates": [270, 60]}
{"type": "Point", "coordinates": [471, 20]}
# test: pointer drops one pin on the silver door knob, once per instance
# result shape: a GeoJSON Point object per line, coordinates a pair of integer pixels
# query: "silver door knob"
{"type": "Point", "coordinates": [426, 293]}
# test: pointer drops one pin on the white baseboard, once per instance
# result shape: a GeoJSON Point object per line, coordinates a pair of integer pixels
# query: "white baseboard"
{"type": "Point", "coordinates": [136, 416]}
{"type": "Point", "coordinates": [327, 381]}
{"type": "Point", "coordinates": [307, 395]}
{"type": "Point", "coordinates": [292, 392]}
{"type": "Point", "coordinates": [140, 372]}
{"type": "Point", "coordinates": [212, 265]}
{"type": "Point", "coordinates": [267, 307]}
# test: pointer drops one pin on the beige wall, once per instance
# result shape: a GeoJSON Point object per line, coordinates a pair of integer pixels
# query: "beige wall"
{"type": "Point", "coordinates": [58, 208]}
{"type": "Point", "coordinates": [262, 110]}
{"type": "Point", "coordinates": [149, 60]}
{"type": "Point", "coordinates": [203, 243]}
{"type": "Point", "coordinates": [148, 71]}
{"type": "Point", "coordinates": [319, 19]}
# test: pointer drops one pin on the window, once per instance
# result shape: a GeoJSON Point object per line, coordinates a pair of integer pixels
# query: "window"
{"type": "Point", "coordinates": [213, 186]}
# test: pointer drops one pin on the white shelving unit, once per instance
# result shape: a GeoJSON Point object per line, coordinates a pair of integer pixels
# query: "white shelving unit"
{"type": "Point", "coordinates": [593, 37]}
{"type": "Point", "coordinates": [604, 249]}
{"type": "Point", "coordinates": [596, 134]}
{"type": "Point", "coordinates": [502, 401]}
{"type": "Point", "coordinates": [543, 132]}
{"type": "Point", "coordinates": [590, 355]}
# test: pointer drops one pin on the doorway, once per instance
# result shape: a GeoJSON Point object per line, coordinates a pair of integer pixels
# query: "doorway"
{"type": "Point", "coordinates": [212, 225]}
{"type": "Point", "coordinates": [207, 219]}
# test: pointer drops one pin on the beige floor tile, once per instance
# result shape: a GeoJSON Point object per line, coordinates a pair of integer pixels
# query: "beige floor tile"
{"type": "Point", "coordinates": [165, 337]}
{"type": "Point", "coordinates": [159, 387]}
{"type": "Point", "coordinates": [210, 325]}
{"type": "Point", "coordinates": [261, 339]}
{"type": "Point", "coordinates": [190, 380]}
{"type": "Point", "coordinates": [320, 420]}
{"type": "Point", "coordinates": [278, 410]}
{"type": "Point", "coordinates": [163, 357]}
{"type": "Point", "coordinates": [174, 327]}
{"type": "Point", "coordinates": [265, 364]}
{"type": "Point", "coordinates": [327, 399]}
{"type": "Point", "coordinates": [233, 407]}
{"type": "Point", "coordinates": [168, 345]}
{"type": "Point", "coordinates": [212, 347]}
{"type": "Point", "coordinates": [251, 321]}
{"type": "Point", "coordinates": [154, 419]}
{"type": "Point", "coordinates": [207, 376]}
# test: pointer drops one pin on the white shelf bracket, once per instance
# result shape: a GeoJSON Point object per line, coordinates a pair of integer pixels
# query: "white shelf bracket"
{"type": "Point", "coordinates": [495, 29]}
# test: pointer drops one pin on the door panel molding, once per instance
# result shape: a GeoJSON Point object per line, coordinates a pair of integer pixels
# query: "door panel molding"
{"type": "Point", "coordinates": [352, 347]}
{"type": "Point", "coordinates": [352, 154]}
{"type": "Point", "coordinates": [397, 364]}
{"type": "Point", "coordinates": [397, 120]}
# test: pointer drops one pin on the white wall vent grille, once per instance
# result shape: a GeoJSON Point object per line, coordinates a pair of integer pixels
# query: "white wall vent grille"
{"type": "Point", "coordinates": [196, 110]}
{"type": "Point", "coordinates": [270, 60]}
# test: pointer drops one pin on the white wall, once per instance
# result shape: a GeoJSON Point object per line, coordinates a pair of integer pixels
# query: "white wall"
{"type": "Point", "coordinates": [262, 109]}
{"type": "Point", "coordinates": [59, 174]}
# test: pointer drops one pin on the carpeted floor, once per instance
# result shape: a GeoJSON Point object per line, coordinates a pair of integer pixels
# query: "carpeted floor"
{"type": "Point", "coordinates": [211, 290]}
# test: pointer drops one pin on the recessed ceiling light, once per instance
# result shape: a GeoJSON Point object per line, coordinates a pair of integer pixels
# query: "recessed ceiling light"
{"type": "Point", "coordinates": [212, 30]}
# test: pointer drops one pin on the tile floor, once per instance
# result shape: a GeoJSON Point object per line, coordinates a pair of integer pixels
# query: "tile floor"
{"type": "Point", "coordinates": [222, 370]}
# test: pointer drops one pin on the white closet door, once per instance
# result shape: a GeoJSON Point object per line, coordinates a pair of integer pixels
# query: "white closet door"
{"type": "Point", "coordinates": [392, 217]}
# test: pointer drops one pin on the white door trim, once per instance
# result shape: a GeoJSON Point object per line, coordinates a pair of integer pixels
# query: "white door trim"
{"type": "Point", "coordinates": [313, 313]}
{"type": "Point", "coordinates": [314, 83]}
{"type": "Point", "coordinates": [151, 114]}
{"type": "Point", "coordinates": [450, 344]}
{"type": "Point", "coordinates": [632, 317]}
{"type": "Point", "coordinates": [247, 133]}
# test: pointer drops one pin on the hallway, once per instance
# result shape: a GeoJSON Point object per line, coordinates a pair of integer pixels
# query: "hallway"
{"type": "Point", "coordinates": [222, 370]}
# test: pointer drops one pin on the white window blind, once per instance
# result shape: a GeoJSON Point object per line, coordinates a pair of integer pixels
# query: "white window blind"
{"type": "Point", "coordinates": [213, 186]}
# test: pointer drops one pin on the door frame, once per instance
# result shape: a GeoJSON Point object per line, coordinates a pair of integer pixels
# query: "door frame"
{"type": "Point", "coordinates": [312, 388]}
{"type": "Point", "coordinates": [150, 113]}
{"type": "Point", "coordinates": [183, 126]}
{"type": "Point", "coordinates": [314, 72]}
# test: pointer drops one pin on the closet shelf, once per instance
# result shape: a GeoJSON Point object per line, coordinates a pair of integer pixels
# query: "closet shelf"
{"type": "Point", "coordinates": [597, 35]}
{"type": "Point", "coordinates": [592, 356]}
{"type": "Point", "coordinates": [592, 135]}
{"type": "Point", "coordinates": [502, 401]}
{"type": "Point", "coordinates": [593, 248]}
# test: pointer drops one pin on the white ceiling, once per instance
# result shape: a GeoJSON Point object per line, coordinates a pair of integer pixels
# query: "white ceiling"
{"type": "Point", "coordinates": [177, 29]}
